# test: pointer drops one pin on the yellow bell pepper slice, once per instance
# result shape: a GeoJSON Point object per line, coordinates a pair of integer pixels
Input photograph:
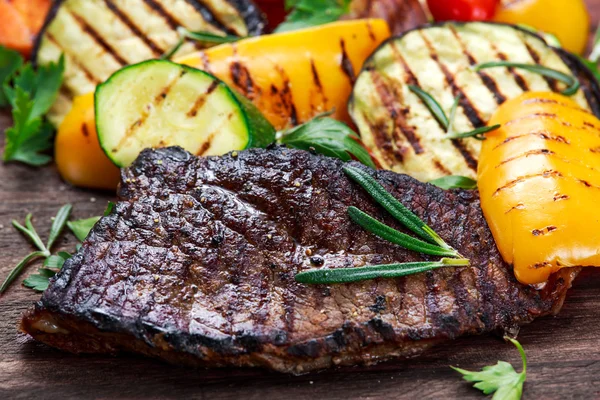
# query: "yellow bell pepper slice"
{"type": "Point", "coordinates": [568, 20]}
{"type": "Point", "coordinates": [539, 182]}
{"type": "Point", "coordinates": [293, 76]}
{"type": "Point", "coordinates": [79, 158]}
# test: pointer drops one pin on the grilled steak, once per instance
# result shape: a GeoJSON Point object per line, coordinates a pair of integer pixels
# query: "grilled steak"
{"type": "Point", "coordinates": [196, 265]}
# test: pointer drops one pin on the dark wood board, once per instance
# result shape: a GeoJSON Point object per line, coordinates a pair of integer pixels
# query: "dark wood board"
{"type": "Point", "coordinates": [563, 351]}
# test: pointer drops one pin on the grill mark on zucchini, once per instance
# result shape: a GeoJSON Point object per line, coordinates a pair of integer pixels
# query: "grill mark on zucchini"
{"type": "Point", "coordinates": [518, 78]}
{"type": "Point", "coordinates": [200, 101]}
{"type": "Point", "coordinates": [469, 159]}
{"type": "Point", "coordinates": [441, 167]}
{"type": "Point", "coordinates": [397, 115]}
{"type": "Point", "coordinates": [206, 144]}
{"type": "Point", "coordinates": [467, 106]}
{"type": "Point", "coordinates": [158, 99]}
{"type": "Point", "coordinates": [536, 58]}
{"type": "Point", "coordinates": [97, 37]}
{"type": "Point", "coordinates": [411, 79]}
{"type": "Point", "coordinates": [73, 60]}
{"type": "Point", "coordinates": [170, 20]}
{"type": "Point", "coordinates": [155, 48]}
{"type": "Point", "coordinates": [346, 64]}
{"type": "Point", "coordinates": [383, 142]}
{"type": "Point", "coordinates": [486, 79]}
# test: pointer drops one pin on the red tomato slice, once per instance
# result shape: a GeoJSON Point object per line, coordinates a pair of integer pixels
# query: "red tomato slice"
{"type": "Point", "coordinates": [462, 10]}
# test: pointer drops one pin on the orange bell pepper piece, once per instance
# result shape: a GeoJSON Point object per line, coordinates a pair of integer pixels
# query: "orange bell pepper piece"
{"type": "Point", "coordinates": [33, 13]}
{"type": "Point", "coordinates": [79, 158]}
{"type": "Point", "coordinates": [568, 20]}
{"type": "Point", "coordinates": [539, 182]}
{"type": "Point", "coordinates": [14, 32]}
{"type": "Point", "coordinates": [293, 76]}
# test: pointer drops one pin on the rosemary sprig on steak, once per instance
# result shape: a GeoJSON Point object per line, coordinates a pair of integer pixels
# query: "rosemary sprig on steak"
{"type": "Point", "coordinates": [435, 245]}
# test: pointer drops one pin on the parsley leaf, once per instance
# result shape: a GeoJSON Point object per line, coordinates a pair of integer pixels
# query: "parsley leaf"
{"type": "Point", "coordinates": [10, 62]}
{"type": "Point", "coordinates": [40, 281]}
{"type": "Point", "coordinates": [307, 13]}
{"type": "Point", "coordinates": [31, 94]}
{"type": "Point", "coordinates": [500, 379]}
{"type": "Point", "coordinates": [82, 227]}
{"type": "Point", "coordinates": [328, 137]}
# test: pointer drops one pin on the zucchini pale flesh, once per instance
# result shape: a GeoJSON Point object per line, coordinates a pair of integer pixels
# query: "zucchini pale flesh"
{"type": "Point", "coordinates": [400, 130]}
{"type": "Point", "coordinates": [98, 37]}
{"type": "Point", "coordinates": [160, 103]}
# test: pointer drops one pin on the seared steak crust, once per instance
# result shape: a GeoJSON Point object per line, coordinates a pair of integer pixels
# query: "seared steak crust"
{"type": "Point", "coordinates": [196, 265]}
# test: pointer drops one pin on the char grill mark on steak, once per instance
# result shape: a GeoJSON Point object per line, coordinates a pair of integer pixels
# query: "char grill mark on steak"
{"type": "Point", "coordinates": [196, 265]}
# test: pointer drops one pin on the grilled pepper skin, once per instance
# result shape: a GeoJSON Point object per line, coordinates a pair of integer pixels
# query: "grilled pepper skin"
{"type": "Point", "coordinates": [539, 182]}
{"type": "Point", "coordinates": [79, 158]}
{"type": "Point", "coordinates": [568, 20]}
{"type": "Point", "coordinates": [293, 76]}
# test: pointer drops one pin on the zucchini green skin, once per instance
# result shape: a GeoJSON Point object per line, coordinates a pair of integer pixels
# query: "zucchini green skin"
{"type": "Point", "coordinates": [399, 130]}
{"type": "Point", "coordinates": [99, 37]}
{"type": "Point", "coordinates": [257, 130]}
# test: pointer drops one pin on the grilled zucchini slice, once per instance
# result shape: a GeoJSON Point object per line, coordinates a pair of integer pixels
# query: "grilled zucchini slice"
{"type": "Point", "coordinates": [399, 129]}
{"type": "Point", "coordinates": [159, 103]}
{"type": "Point", "coordinates": [98, 37]}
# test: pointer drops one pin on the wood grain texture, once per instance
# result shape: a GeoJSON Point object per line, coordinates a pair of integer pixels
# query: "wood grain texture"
{"type": "Point", "coordinates": [563, 351]}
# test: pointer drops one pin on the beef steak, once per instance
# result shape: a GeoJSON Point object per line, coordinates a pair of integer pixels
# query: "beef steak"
{"type": "Point", "coordinates": [196, 265]}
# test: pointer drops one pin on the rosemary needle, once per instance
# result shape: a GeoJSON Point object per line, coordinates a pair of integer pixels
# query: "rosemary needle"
{"type": "Point", "coordinates": [572, 82]}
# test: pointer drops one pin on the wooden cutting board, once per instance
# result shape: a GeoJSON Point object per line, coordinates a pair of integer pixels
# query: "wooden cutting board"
{"type": "Point", "coordinates": [563, 351]}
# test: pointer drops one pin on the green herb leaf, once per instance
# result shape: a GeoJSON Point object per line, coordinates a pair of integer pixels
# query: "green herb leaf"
{"type": "Point", "coordinates": [500, 379]}
{"type": "Point", "coordinates": [10, 62]}
{"type": "Point", "coordinates": [478, 133]}
{"type": "Point", "coordinates": [308, 13]}
{"type": "Point", "coordinates": [455, 182]}
{"type": "Point", "coordinates": [394, 207]}
{"type": "Point", "coordinates": [58, 224]}
{"type": "Point", "coordinates": [434, 107]}
{"type": "Point", "coordinates": [82, 227]}
{"type": "Point", "coordinates": [200, 36]}
{"type": "Point", "coordinates": [109, 208]}
{"type": "Point", "coordinates": [39, 282]}
{"type": "Point", "coordinates": [29, 231]}
{"type": "Point", "coordinates": [328, 137]}
{"type": "Point", "coordinates": [55, 262]}
{"type": "Point", "coordinates": [31, 96]}
{"type": "Point", "coordinates": [595, 53]}
{"type": "Point", "coordinates": [16, 271]}
{"type": "Point", "coordinates": [571, 81]}
{"type": "Point", "coordinates": [348, 275]}
{"type": "Point", "coordinates": [391, 235]}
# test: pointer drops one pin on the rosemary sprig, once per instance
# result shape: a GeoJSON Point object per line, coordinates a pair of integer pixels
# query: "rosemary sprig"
{"type": "Point", "coordinates": [448, 122]}
{"type": "Point", "coordinates": [478, 133]}
{"type": "Point", "coordinates": [572, 82]}
{"type": "Point", "coordinates": [391, 235]}
{"type": "Point", "coordinates": [43, 250]}
{"type": "Point", "coordinates": [204, 37]}
{"type": "Point", "coordinates": [436, 246]}
{"type": "Point", "coordinates": [434, 107]}
{"type": "Point", "coordinates": [393, 206]}
{"type": "Point", "coordinates": [348, 275]}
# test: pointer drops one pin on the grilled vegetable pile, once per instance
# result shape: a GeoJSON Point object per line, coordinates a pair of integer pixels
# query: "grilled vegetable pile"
{"type": "Point", "coordinates": [160, 103]}
{"type": "Point", "coordinates": [539, 183]}
{"type": "Point", "coordinates": [400, 129]}
{"type": "Point", "coordinates": [99, 37]}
